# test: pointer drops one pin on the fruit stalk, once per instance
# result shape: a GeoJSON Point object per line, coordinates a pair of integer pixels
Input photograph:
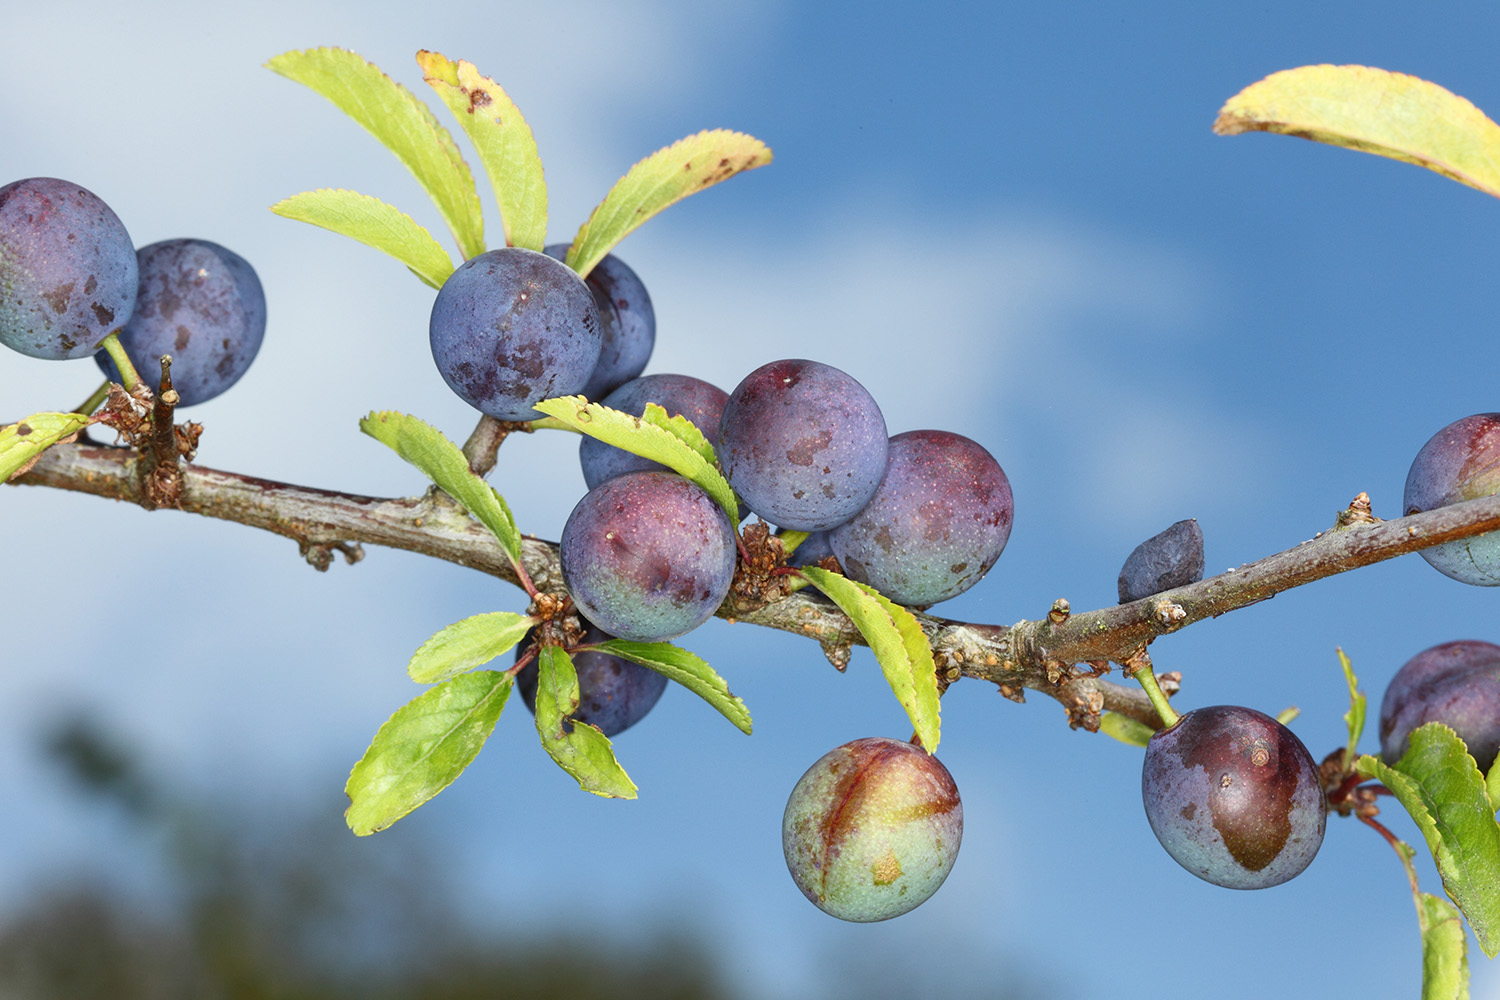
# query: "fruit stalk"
{"type": "Point", "coordinates": [1147, 678]}
{"type": "Point", "coordinates": [111, 346]}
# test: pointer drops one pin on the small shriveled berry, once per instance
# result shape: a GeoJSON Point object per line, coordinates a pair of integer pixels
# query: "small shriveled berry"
{"type": "Point", "coordinates": [1173, 558]}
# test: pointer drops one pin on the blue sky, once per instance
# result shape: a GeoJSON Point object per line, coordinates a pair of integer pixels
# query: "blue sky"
{"type": "Point", "coordinates": [1012, 223]}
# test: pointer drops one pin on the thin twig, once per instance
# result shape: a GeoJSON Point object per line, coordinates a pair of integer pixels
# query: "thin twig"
{"type": "Point", "coordinates": [1042, 655]}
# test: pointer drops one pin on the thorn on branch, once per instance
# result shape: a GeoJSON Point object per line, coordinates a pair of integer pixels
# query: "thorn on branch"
{"type": "Point", "coordinates": [1358, 512]}
{"type": "Point", "coordinates": [1085, 708]}
{"type": "Point", "coordinates": [1170, 616]}
{"type": "Point", "coordinates": [838, 654]}
{"type": "Point", "coordinates": [319, 555]}
{"type": "Point", "coordinates": [163, 481]}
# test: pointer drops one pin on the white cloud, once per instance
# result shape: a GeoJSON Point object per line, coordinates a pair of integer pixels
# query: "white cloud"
{"type": "Point", "coordinates": [1055, 344]}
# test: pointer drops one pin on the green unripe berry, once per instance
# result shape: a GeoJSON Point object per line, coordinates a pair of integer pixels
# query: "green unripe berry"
{"type": "Point", "coordinates": [872, 829]}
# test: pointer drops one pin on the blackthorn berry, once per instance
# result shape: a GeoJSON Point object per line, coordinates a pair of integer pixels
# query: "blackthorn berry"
{"type": "Point", "coordinates": [872, 829]}
{"type": "Point", "coordinates": [938, 521]}
{"type": "Point", "coordinates": [1173, 558]}
{"type": "Point", "coordinates": [1234, 797]}
{"type": "Point", "coordinates": [627, 322]}
{"type": "Point", "coordinates": [803, 444]}
{"type": "Point", "coordinates": [512, 327]}
{"type": "Point", "coordinates": [679, 395]}
{"type": "Point", "coordinates": [67, 269]}
{"type": "Point", "coordinates": [203, 305]}
{"type": "Point", "coordinates": [1457, 684]}
{"type": "Point", "coordinates": [1460, 462]}
{"type": "Point", "coordinates": [613, 693]}
{"type": "Point", "coordinates": [647, 556]}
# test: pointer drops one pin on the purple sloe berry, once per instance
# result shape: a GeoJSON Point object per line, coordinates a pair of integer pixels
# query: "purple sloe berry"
{"type": "Point", "coordinates": [68, 274]}
{"type": "Point", "coordinates": [613, 693]}
{"type": "Point", "coordinates": [1460, 462]}
{"type": "Point", "coordinates": [679, 395]}
{"type": "Point", "coordinates": [803, 444]}
{"type": "Point", "coordinates": [1456, 683]}
{"type": "Point", "coordinates": [647, 556]}
{"type": "Point", "coordinates": [203, 305]}
{"type": "Point", "coordinates": [511, 327]}
{"type": "Point", "coordinates": [627, 322]}
{"type": "Point", "coordinates": [935, 526]}
{"type": "Point", "coordinates": [1173, 558]}
{"type": "Point", "coordinates": [1234, 797]}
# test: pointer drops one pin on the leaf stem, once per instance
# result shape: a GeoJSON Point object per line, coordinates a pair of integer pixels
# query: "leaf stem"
{"type": "Point", "coordinates": [524, 581]}
{"type": "Point", "coordinates": [553, 424]}
{"type": "Point", "coordinates": [1396, 845]}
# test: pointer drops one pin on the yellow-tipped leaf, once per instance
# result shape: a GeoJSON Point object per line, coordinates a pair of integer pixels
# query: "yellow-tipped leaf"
{"type": "Point", "coordinates": [1389, 114]}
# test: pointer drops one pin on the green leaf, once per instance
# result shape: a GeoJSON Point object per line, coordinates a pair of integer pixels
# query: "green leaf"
{"type": "Point", "coordinates": [791, 540]}
{"type": "Point", "coordinates": [444, 463]}
{"type": "Point", "coordinates": [403, 124]}
{"type": "Point", "coordinates": [1128, 731]}
{"type": "Point", "coordinates": [579, 748]}
{"type": "Point", "coordinates": [1439, 785]}
{"type": "Point", "coordinates": [21, 443]}
{"type": "Point", "coordinates": [467, 644]}
{"type": "Point", "coordinates": [1388, 114]}
{"type": "Point", "coordinates": [503, 140]}
{"type": "Point", "coordinates": [899, 645]}
{"type": "Point", "coordinates": [1492, 784]}
{"type": "Point", "coordinates": [687, 669]}
{"type": "Point", "coordinates": [666, 176]}
{"type": "Point", "coordinates": [1445, 946]}
{"type": "Point", "coordinates": [1445, 961]}
{"type": "Point", "coordinates": [640, 437]}
{"type": "Point", "coordinates": [375, 224]}
{"type": "Point", "coordinates": [681, 428]}
{"type": "Point", "coordinates": [1355, 717]}
{"type": "Point", "coordinates": [422, 748]}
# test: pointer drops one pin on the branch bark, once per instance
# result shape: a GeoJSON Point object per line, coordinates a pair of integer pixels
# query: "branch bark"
{"type": "Point", "coordinates": [1061, 654]}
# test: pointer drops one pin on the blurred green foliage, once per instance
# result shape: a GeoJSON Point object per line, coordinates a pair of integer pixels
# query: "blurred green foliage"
{"type": "Point", "coordinates": [294, 914]}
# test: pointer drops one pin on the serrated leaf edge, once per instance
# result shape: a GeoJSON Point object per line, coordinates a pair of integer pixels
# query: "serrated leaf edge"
{"type": "Point", "coordinates": [579, 413]}
{"type": "Point", "coordinates": [503, 686]}
{"type": "Point", "coordinates": [515, 619]}
{"type": "Point", "coordinates": [582, 255]}
{"type": "Point", "coordinates": [896, 665]}
{"type": "Point", "coordinates": [614, 648]}
{"type": "Point", "coordinates": [467, 228]}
